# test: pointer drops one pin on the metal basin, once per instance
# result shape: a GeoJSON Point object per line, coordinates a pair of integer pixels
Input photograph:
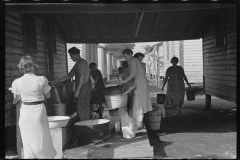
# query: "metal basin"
{"type": "Point", "coordinates": [92, 130]}
{"type": "Point", "coordinates": [116, 101]}
{"type": "Point", "coordinates": [58, 121]}
{"type": "Point", "coordinates": [113, 90]}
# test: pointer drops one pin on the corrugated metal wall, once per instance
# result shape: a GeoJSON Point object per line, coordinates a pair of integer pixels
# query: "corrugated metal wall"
{"type": "Point", "coordinates": [220, 62]}
{"type": "Point", "coordinates": [193, 60]}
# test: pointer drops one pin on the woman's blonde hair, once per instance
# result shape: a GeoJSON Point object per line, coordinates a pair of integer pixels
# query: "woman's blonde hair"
{"type": "Point", "coordinates": [27, 64]}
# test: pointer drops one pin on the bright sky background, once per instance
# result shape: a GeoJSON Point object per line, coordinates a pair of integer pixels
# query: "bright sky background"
{"type": "Point", "coordinates": [139, 46]}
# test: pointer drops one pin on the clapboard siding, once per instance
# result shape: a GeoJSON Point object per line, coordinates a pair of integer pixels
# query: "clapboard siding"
{"type": "Point", "coordinates": [14, 51]}
{"type": "Point", "coordinates": [192, 58]}
{"type": "Point", "coordinates": [220, 63]}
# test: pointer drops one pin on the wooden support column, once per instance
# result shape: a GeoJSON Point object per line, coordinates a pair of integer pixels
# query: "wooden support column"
{"type": "Point", "coordinates": [208, 101]}
{"type": "Point", "coordinates": [49, 26]}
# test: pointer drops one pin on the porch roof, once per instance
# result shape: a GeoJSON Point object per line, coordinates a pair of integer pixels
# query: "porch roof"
{"type": "Point", "coordinates": [124, 23]}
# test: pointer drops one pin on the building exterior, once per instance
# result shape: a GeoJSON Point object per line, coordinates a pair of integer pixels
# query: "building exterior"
{"type": "Point", "coordinates": [46, 44]}
{"type": "Point", "coordinates": [189, 53]}
{"type": "Point", "coordinates": [87, 52]}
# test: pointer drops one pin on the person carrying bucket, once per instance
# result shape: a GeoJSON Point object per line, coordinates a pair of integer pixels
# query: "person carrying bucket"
{"type": "Point", "coordinates": [175, 77]}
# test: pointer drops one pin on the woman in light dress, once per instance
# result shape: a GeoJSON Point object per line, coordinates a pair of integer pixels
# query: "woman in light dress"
{"type": "Point", "coordinates": [175, 77]}
{"type": "Point", "coordinates": [142, 101]}
{"type": "Point", "coordinates": [33, 122]}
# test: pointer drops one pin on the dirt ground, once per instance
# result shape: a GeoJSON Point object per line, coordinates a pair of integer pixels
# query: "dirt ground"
{"type": "Point", "coordinates": [197, 133]}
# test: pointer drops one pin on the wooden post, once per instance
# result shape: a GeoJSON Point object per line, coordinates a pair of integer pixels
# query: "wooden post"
{"type": "Point", "coordinates": [49, 29]}
{"type": "Point", "coordinates": [208, 101]}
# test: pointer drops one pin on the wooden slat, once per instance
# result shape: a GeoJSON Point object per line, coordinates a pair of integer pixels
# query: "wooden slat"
{"type": "Point", "coordinates": [13, 27]}
{"type": "Point", "coordinates": [232, 34]}
{"type": "Point", "coordinates": [40, 32]}
{"type": "Point", "coordinates": [220, 77]}
{"type": "Point", "coordinates": [13, 34]}
{"type": "Point", "coordinates": [220, 82]}
{"type": "Point", "coordinates": [220, 62]}
{"type": "Point", "coordinates": [8, 105]}
{"type": "Point", "coordinates": [221, 87]}
{"type": "Point", "coordinates": [41, 37]}
{"type": "Point", "coordinates": [13, 42]}
{"type": "Point", "coordinates": [220, 67]}
{"type": "Point", "coordinates": [60, 44]}
{"type": "Point", "coordinates": [60, 48]}
{"type": "Point", "coordinates": [221, 92]}
{"type": "Point", "coordinates": [10, 113]}
{"type": "Point", "coordinates": [13, 19]}
{"type": "Point", "coordinates": [220, 57]}
{"type": "Point", "coordinates": [219, 53]}
{"type": "Point", "coordinates": [221, 96]}
{"type": "Point", "coordinates": [219, 72]}
{"type": "Point", "coordinates": [8, 97]}
{"type": "Point", "coordinates": [11, 121]}
{"type": "Point", "coordinates": [60, 65]}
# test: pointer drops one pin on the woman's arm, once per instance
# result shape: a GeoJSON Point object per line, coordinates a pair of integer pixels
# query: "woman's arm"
{"type": "Point", "coordinates": [185, 77]}
{"type": "Point", "coordinates": [133, 72]}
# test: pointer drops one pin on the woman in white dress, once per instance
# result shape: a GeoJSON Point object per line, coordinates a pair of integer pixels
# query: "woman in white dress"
{"type": "Point", "coordinates": [33, 122]}
{"type": "Point", "coordinates": [142, 101]}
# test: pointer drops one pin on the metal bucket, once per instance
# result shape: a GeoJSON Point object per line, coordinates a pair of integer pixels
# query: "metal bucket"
{"type": "Point", "coordinates": [190, 95]}
{"type": "Point", "coordinates": [161, 98]}
{"type": "Point", "coordinates": [59, 109]}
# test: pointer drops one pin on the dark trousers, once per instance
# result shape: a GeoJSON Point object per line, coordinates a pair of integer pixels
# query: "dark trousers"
{"type": "Point", "coordinates": [83, 106]}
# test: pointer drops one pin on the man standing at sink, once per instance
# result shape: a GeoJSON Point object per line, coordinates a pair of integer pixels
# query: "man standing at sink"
{"type": "Point", "coordinates": [83, 86]}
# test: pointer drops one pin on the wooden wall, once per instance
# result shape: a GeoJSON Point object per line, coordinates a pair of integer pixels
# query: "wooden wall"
{"type": "Point", "coordinates": [219, 63]}
{"type": "Point", "coordinates": [14, 50]}
{"type": "Point", "coordinates": [193, 60]}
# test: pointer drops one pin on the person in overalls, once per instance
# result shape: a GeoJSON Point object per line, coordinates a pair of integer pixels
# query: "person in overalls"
{"type": "Point", "coordinates": [83, 88]}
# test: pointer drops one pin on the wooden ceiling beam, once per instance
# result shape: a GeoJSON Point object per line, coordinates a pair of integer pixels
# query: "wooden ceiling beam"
{"type": "Point", "coordinates": [77, 39]}
{"type": "Point", "coordinates": [135, 22]}
{"type": "Point", "coordinates": [207, 21]}
{"type": "Point", "coordinates": [62, 25]}
{"type": "Point", "coordinates": [139, 24]}
{"type": "Point", "coordinates": [63, 8]}
{"type": "Point", "coordinates": [74, 26]}
{"type": "Point", "coordinates": [173, 23]}
{"type": "Point", "coordinates": [94, 26]}
{"type": "Point", "coordinates": [155, 24]}
{"type": "Point", "coordinates": [197, 17]}
{"type": "Point", "coordinates": [113, 26]}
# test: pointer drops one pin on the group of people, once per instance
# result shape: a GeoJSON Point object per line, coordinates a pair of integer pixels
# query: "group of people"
{"type": "Point", "coordinates": [32, 90]}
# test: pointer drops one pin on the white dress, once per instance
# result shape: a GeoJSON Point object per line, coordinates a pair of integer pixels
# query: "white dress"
{"type": "Point", "coordinates": [33, 121]}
